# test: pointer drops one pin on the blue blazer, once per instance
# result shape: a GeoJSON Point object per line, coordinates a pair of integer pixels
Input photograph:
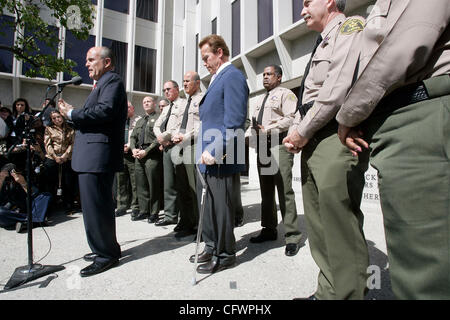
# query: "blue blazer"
{"type": "Point", "coordinates": [223, 111]}
{"type": "Point", "coordinates": [100, 127]}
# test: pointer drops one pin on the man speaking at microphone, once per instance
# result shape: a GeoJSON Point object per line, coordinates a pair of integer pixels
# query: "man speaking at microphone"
{"type": "Point", "coordinates": [98, 155]}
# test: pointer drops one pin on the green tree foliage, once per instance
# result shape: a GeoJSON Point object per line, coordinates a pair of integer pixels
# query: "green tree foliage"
{"type": "Point", "coordinates": [32, 23]}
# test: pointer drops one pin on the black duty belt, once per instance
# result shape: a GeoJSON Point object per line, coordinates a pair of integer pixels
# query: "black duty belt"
{"type": "Point", "coordinates": [304, 108]}
{"type": "Point", "coordinates": [401, 97]}
{"type": "Point", "coordinates": [415, 92]}
{"type": "Point", "coordinates": [281, 136]}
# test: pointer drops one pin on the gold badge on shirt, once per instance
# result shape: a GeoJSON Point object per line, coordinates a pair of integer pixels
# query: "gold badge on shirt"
{"type": "Point", "coordinates": [352, 25]}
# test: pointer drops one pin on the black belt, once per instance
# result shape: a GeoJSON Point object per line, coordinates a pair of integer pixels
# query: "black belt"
{"type": "Point", "coordinates": [304, 108]}
{"type": "Point", "coordinates": [402, 97]}
{"type": "Point", "coordinates": [281, 136]}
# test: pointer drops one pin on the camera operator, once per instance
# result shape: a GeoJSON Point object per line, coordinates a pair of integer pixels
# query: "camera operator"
{"type": "Point", "coordinates": [13, 197]}
{"type": "Point", "coordinates": [6, 126]}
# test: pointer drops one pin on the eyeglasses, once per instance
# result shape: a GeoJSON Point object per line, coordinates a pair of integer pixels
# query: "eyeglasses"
{"type": "Point", "coordinates": [167, 89]}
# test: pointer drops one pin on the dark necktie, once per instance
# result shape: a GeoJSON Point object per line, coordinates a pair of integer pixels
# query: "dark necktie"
{"type": "Point", "coordinates": [142, 136]}
{"type": "Point", "coordinates": [185, 116]}
{"type": "Point", "coordinates": [261, 112]}
{"type": "Point", "coordinates": [127, 129]}
{"type": "Point", "coordinates": [305, 74]}
{"type": "Point", "coordinates": [164, 124]}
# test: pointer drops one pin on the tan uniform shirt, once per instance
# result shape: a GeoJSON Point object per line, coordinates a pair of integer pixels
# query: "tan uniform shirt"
{"type": "Point", "coordinates": [279, 110]}
{"type": "Point", "coordinates": [405, 41]}
{"type": "Point", "coordinates": [327, 82]}
{"type": "Point", "coordinates": [193, 123]}
{"type": "Point", "coordinates": [175, 119]}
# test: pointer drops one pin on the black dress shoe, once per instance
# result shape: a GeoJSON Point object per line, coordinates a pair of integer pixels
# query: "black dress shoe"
{"type": "Point", "coordinates": [164, 222]}
{"type": "Point", "coordinates": [121, 212]}
{"type": "Point", "coordinates": [313, 297]}
{"type": "Point", "coordinates": [178, 227]}
{"type": "Point", "coordinates": [214, 266]}
{"type": "Point", "coordinates": [90, 257]}
{"type": "Point", "coordinates": [266, 234]}
{"type": "Point", "coordinates": [98, 267]}
{"type": "Point", "coordinates": [239, 222]}
{"type": "Point", "coordinates": [203, 257]}
{"type": "Point", "coordinates": [291, 249]}
{"type": "Point", "coordinates": [134, 212]}
{"type": "Point", "coordinates": [185, 232]}
{"type": "Point", "coordinates": [153, 218]}
{"type": "Point", "coordinates": [140, 216]}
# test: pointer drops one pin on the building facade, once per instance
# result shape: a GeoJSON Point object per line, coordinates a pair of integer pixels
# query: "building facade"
{"type": "Point", "coordinates": [157, 40]}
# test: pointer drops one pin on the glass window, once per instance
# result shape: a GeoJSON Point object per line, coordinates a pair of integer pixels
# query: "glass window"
{"type": "Point", "coordinates": [120, 53]}
{"type": "Point", "coordinates": [94, 2]}
{"type": "Point", "coordinates": [119, 6]}
{"type": "Point", "coordinates": [44, 49]}
{"type": "Point", "coordinates": [6, 38]}
{"type": "Point", "coordinates": [144, 69]}
{"type": "Point", "coordinates": [265, 19]}
{"type": "Point", "coordinates": [297, 6]}
{"type": "Point", "coordinates": [76, 50]}
{"type": "Point", "coordinates": [236, 27]}
{"type": "Point", "coordinates": [214, 26]}
{"type": "Point", "coordinates": [147, 9]}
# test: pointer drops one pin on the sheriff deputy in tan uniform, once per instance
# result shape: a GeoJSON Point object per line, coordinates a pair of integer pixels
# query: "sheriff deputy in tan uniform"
{"type": "Point", "coordinates": [272, 117]}
{"type": "Point", "coordinates": [167, 125]}
{"type": "Point", "coordinates": [400, 105]}
{"type": "Point", "coordinates": [185, 140]}
{"type": "Point", "coordinates": [332, 180]}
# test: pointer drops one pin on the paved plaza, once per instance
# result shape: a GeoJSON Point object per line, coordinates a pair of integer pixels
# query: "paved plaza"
{"type": "Point", "coordinates": [155, 266]}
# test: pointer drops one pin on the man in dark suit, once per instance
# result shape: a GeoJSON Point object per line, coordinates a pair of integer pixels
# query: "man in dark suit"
{"type": "Point", "coordinates": [98, 155]}
{"type": "Point", "coordinates": [223, 111]}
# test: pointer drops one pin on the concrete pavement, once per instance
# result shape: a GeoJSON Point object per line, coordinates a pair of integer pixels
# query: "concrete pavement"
{"type": "Point", "coordinates": [155, 265]}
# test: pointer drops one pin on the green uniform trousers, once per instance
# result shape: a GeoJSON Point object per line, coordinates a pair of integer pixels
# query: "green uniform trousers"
{"type": "Point", "coordinates": [186, 188]}
{"type": "Point", "coordinates": [126, 185]}
{"type": "Point", "coordinates": [332, 185]}
{"type": "Point", "coordinates": [148, 178]}
{"type": "Point", "coordinates": [279, 175]}
{"type": "Point", "coordinates": [410, 148]}
{"type": "Point", "coordinates": [171, 209]}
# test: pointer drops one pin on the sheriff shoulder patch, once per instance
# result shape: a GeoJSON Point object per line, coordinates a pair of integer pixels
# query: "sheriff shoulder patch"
{"type": "Point", "coordinates": [352, 25]}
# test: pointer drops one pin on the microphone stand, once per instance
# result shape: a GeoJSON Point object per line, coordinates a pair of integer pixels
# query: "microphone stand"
{"type": "Point", "coordinates": [31, 271]}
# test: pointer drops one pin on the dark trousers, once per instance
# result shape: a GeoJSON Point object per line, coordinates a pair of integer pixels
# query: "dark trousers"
{"type": "Point", "coordinates": [68, 179]}
{"type": "Point", "coordinates": [219, 214]}
{"type": "Point", "coordinates": [170, 189]}
{"type": "Point", "coordinates": [148, 178]}
{"type": "Point", "coordinates": [98, 214]}
{"type": "Point", "coordinates": [126, 185]}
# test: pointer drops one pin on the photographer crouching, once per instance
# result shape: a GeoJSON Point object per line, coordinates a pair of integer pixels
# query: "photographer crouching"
{"type": "Point", "coordinates": [13, 195]}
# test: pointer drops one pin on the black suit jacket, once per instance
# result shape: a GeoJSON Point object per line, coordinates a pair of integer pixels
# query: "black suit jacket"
{"type": "Point", "coordinates": [100, 127]}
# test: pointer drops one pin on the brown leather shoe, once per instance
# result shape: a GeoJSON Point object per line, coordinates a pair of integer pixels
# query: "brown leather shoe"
{"type": "Point", "coordinates": [203, 257]}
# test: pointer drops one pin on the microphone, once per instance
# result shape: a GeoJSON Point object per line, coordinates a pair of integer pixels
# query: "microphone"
{"type": "Point", "coordinates": [75, 81]}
